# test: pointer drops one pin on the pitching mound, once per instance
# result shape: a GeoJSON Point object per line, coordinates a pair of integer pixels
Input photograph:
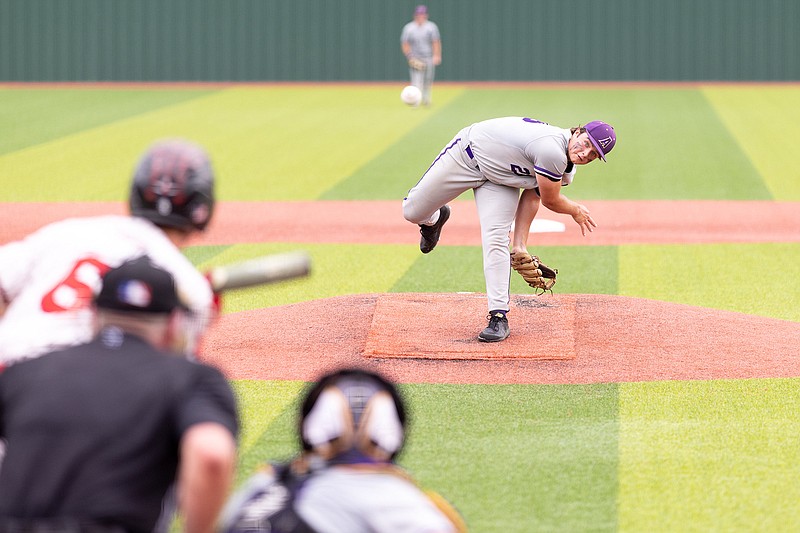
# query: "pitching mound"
{"type": "Point", "coordinates": [554, 339]}
{"type": "Point", "coordinates": [404, 327]}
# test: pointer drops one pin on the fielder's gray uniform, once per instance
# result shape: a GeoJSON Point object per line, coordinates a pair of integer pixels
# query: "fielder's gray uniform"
{"type": "Point", "coordinates": [421, 38]}
{"type": "Point", "coordinates": [496, 158]}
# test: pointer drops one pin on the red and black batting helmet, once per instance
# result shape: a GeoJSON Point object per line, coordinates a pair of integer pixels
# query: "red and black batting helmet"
{"type": "Point", "coordinates": [173, 186]}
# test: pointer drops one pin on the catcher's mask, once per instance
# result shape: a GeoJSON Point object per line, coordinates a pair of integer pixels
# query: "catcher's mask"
{"type": "Point", "coordinates": [173, 186]}
{"type": "Point", "coordinates": [353, 409]}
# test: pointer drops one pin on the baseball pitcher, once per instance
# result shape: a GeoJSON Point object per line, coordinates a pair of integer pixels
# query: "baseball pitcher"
{"type": "Point", "coordinates": [497, 158]}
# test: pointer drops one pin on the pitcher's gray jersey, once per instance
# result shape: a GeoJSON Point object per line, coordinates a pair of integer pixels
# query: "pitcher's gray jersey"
{"type": "Point", "coordinates": [512, 150]}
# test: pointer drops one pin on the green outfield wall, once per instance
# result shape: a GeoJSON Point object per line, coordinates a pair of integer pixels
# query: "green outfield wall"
{"type": "Point", "coordinates": [337, 40]}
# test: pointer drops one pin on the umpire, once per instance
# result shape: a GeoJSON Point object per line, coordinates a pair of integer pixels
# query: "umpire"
{"type": "Point", "coordinates": [98, 434]}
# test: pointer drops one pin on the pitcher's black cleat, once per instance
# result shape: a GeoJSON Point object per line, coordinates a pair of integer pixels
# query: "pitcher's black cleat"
{"type": "Point", "coordinates": [497, 330]}
{"type": "Point", "coordinates": [430, 234]}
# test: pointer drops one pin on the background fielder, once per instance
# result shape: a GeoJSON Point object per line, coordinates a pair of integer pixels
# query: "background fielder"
{"type": "Point", "coordinates": [422, 45]}
{"type": "Point", "coordinates": [496, 158]}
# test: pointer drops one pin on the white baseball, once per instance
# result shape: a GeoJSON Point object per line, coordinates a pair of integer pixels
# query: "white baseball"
{"type": "Point", "coordinates": [411, 95]}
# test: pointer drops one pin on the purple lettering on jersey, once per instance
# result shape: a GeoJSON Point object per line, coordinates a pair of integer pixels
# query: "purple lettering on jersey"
{"type": "Point", "coordinates": [520, 171]}
{"type": "Point", "coordinates": [534, 121]}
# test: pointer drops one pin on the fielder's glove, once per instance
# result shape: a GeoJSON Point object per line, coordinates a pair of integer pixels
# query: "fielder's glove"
{"type": "Point", "coordinates": [416, 63]}
{"type": "Point", "coordinates": [538, 275]}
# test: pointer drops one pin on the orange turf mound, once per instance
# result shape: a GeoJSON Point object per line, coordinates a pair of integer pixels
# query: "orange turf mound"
{"type": "Point", "coordinates": [611, 338]}
{"type": "Point", "coordinates": [403, 327]}
{"type": "Point", "coordinates": [614, 339]}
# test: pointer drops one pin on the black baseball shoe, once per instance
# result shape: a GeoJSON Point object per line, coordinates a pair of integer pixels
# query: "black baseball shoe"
{"type": "Point", "coordinates": [430, 234]}
{"type": "Point", "coordinates": [497, 330]}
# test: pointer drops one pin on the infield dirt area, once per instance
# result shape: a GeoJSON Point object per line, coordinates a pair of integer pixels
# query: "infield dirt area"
{"type": "Point", "coordinates": [432, 337]}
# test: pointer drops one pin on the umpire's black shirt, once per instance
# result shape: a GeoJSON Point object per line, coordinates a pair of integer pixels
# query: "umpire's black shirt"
{"type": "Point", "coordinates": [93, 431]}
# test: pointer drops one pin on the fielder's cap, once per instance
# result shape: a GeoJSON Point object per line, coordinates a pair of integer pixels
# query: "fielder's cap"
{"type": "Point", "coordinates": [602, 136]}
{"type": "Point", "coordinates": [421, 10]}
{"type": "Point", "coordinates": [139, 286]}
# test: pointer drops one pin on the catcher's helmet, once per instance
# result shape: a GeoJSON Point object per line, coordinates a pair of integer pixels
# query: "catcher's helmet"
{"type": "Point", "coordinates": [353, 409]}
{"type": "Point", "coordinates": [173, 186]}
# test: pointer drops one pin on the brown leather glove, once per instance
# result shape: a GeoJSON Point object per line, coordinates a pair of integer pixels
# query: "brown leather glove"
{"type": "Point", "coordinates": [416, 64]}
{"type": "Point", "coordinates": [537, 275]}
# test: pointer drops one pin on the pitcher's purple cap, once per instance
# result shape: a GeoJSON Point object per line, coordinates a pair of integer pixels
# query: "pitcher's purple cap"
{"type": "Point", "coordinates": [602, 136]}
{"type": "Point", "coordinates": [421, 10]}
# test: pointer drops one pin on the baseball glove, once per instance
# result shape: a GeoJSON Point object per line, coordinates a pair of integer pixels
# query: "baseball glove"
{"type": "Point", "coordinates": [416, 64]}
{"type": "Point", "coordinates": [538, 275]}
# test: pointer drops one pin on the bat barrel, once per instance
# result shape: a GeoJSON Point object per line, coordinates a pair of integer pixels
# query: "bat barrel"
{"type": "Point", "coordinates": [268, 269]}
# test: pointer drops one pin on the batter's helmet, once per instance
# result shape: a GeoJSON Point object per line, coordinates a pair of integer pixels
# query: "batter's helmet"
{"type": "Point", "coordinates": [173, 186]}
{"type": "Point", "coordinates": [353, 409]}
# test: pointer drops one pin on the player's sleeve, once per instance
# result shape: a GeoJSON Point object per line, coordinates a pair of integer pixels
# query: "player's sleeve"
{"type": "Point", "coordinates": [569, 174]}
{"type": "Point", "coordinates": [435, 33]}
{"type": "Point", "coordinates": [404, 34]}
{"type": "Point", "coordinates": [207, 398]}
{"type": "Point", "coordinates": [549, 160]}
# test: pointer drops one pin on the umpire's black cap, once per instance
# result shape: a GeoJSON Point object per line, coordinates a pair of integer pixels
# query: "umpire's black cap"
{"type": "Point", "coordinates": [139, 286]}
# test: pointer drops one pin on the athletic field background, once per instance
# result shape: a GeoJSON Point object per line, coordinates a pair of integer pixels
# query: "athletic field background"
{"type": "Point", "coordinates": [719, 455]}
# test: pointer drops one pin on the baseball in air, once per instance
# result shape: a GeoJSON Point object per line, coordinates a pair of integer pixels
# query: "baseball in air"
{"type": "Point", "coordinates": [411, 95]}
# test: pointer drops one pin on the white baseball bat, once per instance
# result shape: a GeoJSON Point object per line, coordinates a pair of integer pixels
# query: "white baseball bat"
{"type": "Point", "coordinates": [261, 270]}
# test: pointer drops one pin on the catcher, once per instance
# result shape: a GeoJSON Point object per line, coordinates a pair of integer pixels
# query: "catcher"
{"type": "Point", "coordinates": [352, 427]}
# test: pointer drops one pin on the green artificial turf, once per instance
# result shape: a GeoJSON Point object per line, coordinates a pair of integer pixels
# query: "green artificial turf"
{"type": "Point", "coordinates": [761, 120]}
{"type": "Point", "coordinates": [335, 270]}
{"type": "Point", "coordinates": [270, 143]}
{"type": "Point", "coordinates": [303, 142]}
{"type": "Point", "coordinates": [36, 116]}
{"type": "Point", "coordinates": [590, 270]}
{"type": "Point", "coordinates": [671, 144]}
{"type": "Point", "coordinates": [268, 414]}
{"type": "Point", "coordinates": [664, 456]}
{"type": "Point", "coordinates": [586, 270]}
{"type": "Point", "coordinates": [709, 455]}
{"type": "Point", "coordinates": [716, 276]}
{"type": "Point", "coordinates": [555, 467]}
{"type": "Point", "coordinates": [701, 275]}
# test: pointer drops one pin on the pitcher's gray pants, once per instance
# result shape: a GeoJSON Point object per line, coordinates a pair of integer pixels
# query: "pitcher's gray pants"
{"type": "Point", "coordinates": [451, 174]}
